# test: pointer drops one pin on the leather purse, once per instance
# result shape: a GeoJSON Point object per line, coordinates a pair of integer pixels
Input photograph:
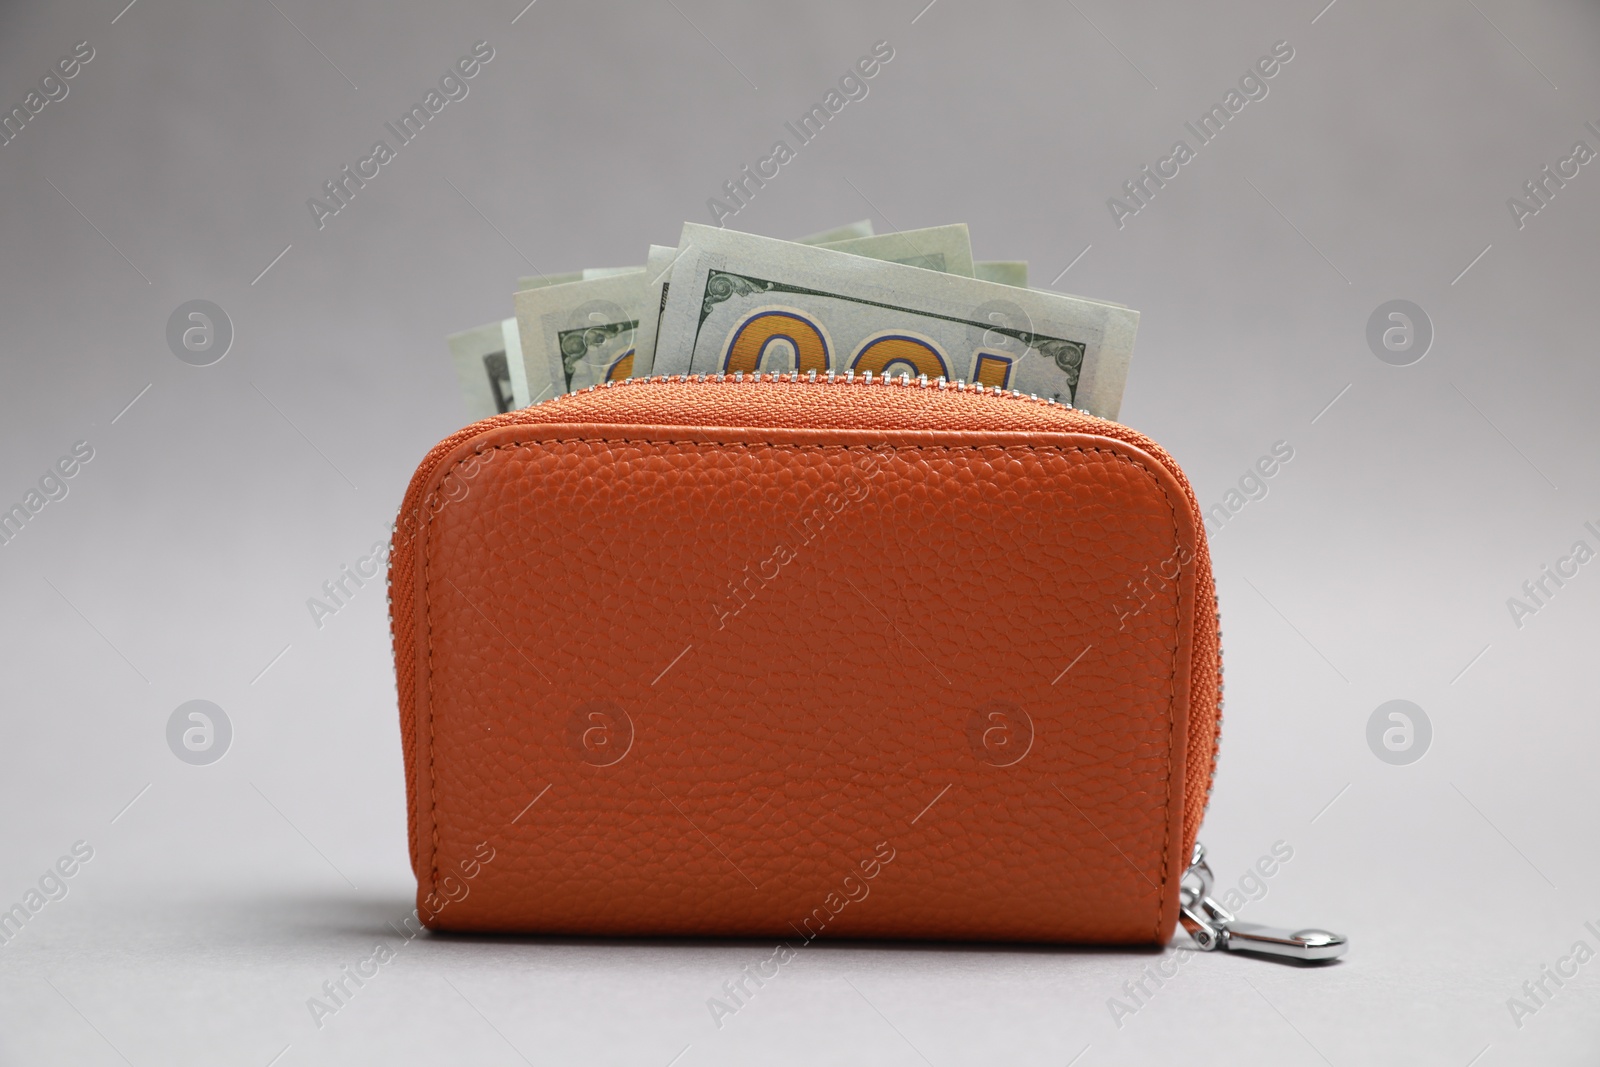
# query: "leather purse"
{"type": "Point", "coordinates": [806, 656]}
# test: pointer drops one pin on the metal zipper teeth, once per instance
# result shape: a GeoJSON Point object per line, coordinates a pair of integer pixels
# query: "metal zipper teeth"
{"type": "Point", "coordinates": [833, 378]}
{"type": "Point", "coordinates": [1216, 740]}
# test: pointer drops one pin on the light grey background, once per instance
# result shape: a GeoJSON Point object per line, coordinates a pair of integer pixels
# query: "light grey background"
{"type": "Point", "coordinates": [1377, 568]}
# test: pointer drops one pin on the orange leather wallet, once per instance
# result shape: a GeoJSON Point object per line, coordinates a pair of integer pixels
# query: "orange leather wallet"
{"type": "Point", "coordinates": [804, 656]}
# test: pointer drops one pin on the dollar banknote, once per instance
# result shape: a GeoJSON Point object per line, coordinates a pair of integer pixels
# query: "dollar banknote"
{"type": "Point", "coordinates": [591, 273]}
{"type": "Point", "coordinates": [658, 276]}
{"type": "Point", "coordinates": [941, 248]}
{"type": "Point", "coordinates": [838, 233]}
{"type": "Point", "coordinates": [577, 334]}
{"type": "Point", "coordinates": [1002, 272]}
{"type": "Point", "coordinates": [743, 303]}
{"type": "Point", "coordinates": [645, 340]}
{"type": "Point", "coordinates": [483, 358]}
{"type": "Point", "coordinates": [539, 281]}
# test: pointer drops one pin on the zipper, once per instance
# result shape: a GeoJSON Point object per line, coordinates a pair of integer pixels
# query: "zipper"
{"type": "Point", "coordinates": [1213, 927]}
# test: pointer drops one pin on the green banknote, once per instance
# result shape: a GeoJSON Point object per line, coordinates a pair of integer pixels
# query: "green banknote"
{"type": "Point", "coordinates": [743, 303]}
{"type": "Point", "coordinates": [838, 233]}
{"type": "Point", "coordinates": [1003, 271]}
{"type": "Point", "coordinates": [941, 248]}
{"type": "Point", "coordinates": [657, 275]}
{"type": "Point", "coordinates": [483, 358]}
{"type": "Point", "coordinates": [577, 334]}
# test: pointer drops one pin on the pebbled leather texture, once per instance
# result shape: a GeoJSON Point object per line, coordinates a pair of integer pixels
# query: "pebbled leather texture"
{"type": "Point", "coordinates": [798, 658]}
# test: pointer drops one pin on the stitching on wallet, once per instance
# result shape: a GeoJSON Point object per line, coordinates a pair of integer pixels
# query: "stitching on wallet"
{"type": "Point", "coordinates": [427, 559]}
{"type": "Point", "coordinates": [433, 800]}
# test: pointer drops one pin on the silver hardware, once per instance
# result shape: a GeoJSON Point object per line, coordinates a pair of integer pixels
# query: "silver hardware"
{"type": "Point", "coordinates": [1212, 926]}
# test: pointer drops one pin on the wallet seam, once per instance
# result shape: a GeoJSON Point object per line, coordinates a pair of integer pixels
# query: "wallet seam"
{"type": "Point", "coordinates": [427, 604]}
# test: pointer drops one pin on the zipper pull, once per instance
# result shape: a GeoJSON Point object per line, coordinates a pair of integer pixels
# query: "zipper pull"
{"type": "Point", "coordinates": [1212, 926]}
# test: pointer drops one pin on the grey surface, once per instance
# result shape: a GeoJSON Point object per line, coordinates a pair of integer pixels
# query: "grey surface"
{"type": "Point", "coordinates": [1377, 568]}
